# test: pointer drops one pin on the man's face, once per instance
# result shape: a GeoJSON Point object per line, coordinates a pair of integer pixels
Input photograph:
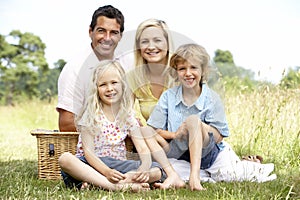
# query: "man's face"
{"type": "Point", "coordinates": [105, 37]}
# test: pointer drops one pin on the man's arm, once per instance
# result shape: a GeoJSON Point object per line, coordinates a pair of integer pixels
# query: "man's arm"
{"type": "Point", "coordinates": [66, 121]}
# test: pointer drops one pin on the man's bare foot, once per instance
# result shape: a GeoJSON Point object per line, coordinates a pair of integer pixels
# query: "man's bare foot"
{"type": "Point", "coordinates": [253, 158]}
{"type": "Point", "coordinates": [133, 187]}
{"type": "Point", "coordinates": [195, 184]}
{"type": "Point", "coordinates": [171, 182]}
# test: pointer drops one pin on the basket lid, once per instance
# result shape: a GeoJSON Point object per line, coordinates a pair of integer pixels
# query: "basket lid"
{"type": "Point", "coordinates": [51, 132]}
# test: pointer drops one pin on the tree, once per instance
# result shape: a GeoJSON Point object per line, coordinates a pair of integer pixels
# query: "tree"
{"type": "Point", "coordinates": [21, 65]}
{"type": "Point", "coordinates": [223, 57]}
{"type": "Point", "coordinates": [48, 88]}
{"type": "Point", "coordinates": [225, 63]}
{"type": "Point", "coordinates": [234, 77]}
{"type": "Point", "coordinates": [291, 79]}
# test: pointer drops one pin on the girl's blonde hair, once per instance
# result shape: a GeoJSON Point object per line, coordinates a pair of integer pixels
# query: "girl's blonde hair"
{"type": "Point", "coordinates": [90, 111]}
{"type": "Point", "coordinates": [187, 51]}
{"type": "Point", "coordinates": [141, 68]}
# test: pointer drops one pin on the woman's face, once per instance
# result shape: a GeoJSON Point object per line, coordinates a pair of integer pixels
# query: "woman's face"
{"type": "Point", "coordinates": [154, 45]}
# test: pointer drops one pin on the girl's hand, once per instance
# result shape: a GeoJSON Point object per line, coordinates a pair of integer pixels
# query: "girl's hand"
{"type": "Point", "coordinates": [114, 176]}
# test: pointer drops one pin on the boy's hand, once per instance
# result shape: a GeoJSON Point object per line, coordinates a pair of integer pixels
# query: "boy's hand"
{"type": "Point", "coordinates": [114, 176]}
{"type": "Point", "coordinates": [181, 132]}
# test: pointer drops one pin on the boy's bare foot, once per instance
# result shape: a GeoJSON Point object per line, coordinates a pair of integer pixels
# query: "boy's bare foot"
{"type": "Point", "coordinates": [173, 181]}
{"type": "Point", "coordinates": [195, 184]}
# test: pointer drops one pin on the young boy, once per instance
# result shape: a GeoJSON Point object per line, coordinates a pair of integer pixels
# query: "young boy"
{"type": "Point", "coordinates": [191, 115]}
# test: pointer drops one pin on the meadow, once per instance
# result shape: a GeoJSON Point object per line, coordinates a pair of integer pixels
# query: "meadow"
{"type": "Point", "coordinates": [264, 122]}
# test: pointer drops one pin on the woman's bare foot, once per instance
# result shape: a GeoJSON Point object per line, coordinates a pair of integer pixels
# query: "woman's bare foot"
{"type": "Point", "coordinates": [173, 181]}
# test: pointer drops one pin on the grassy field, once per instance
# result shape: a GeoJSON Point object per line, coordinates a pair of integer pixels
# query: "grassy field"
{"type": "Point", "coordinates": [264, 122]}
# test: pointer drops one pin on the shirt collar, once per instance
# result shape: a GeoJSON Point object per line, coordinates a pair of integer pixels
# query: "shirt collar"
{"type": "Point", "coordinates": [199, 102]}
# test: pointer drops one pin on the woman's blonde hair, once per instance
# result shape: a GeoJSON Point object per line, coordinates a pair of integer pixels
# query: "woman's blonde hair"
{"type": "Point", "coordinates": [139, 60]}
{"type": "Point", "coordinates": [187, 51]}
{"type": "Point", "coordinates": [141, 68]}
{"type": "Point", "coordinates": [90, 111]}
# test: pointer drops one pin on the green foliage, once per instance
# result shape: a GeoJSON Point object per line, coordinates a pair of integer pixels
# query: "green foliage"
{"type": "Point", "coordinates": [21, 64]}
{"type": "Point", "coordinates": [234, 78]}
{"type": "Point", "coordinates": [292, 79]}
{"type": "Point", "coordinates": [48, 87]}
{"type": "Point", "coordinates": [231, 71]}
{"type": "Point", "coordinates": [223, 57]}
{"type": "Point", "coordinates": [24, 71]}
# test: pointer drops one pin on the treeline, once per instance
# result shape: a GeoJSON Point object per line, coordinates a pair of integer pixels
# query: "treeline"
{"type": "Point", "coordinates": [25, 74]}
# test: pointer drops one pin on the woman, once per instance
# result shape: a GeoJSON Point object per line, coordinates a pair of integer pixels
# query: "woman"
{"type": "Point", "coordinates": [153, 47]}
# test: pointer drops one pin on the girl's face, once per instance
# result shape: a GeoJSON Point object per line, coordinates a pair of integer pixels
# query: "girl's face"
{"type": "Point", "coordinates": [110, 87]}
{"type": "Point", "coordinates": [189, 73]}
{"type": "Point", "coordinates": [153, 45]}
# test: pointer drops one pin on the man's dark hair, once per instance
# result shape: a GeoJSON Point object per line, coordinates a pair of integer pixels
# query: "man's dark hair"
{"type": "Point", "coordinates": [110, 12]}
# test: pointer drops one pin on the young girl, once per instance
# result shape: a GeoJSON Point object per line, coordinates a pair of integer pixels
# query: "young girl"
{"type": "Point", "coordinates": [104, 123]}
{"type": "Point", "coordinates": [191, 115]}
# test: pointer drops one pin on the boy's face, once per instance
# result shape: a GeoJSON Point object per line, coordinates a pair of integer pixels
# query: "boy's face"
{"type": "Point", "coordinates": [189, 73]}
{"type": "Point", "coordinates": [105, 37]}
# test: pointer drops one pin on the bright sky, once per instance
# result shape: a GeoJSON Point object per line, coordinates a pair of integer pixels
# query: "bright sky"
{"type": "Point", "coordinates": [262, 35]}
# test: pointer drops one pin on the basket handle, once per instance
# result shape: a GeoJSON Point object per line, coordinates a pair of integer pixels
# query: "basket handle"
{"type": "Point", "coordinates": [51, 150]}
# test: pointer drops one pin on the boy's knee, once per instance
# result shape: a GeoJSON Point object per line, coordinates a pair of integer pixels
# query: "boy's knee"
{"type": "Point", "coordinates": [192, 120]}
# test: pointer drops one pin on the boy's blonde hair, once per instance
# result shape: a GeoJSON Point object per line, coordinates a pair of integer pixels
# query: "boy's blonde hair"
{"type": "Point", "coordinates": [93, 104]}
{"type": "Point", "coordinates": [187, 51]}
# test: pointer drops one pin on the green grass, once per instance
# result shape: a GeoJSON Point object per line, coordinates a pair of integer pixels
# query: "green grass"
{"type": "Point", "coordinates": [264, 122]}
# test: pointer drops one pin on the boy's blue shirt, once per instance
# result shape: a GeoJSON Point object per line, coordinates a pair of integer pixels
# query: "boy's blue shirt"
{"type": "Point", "coordinates": [170, 111]}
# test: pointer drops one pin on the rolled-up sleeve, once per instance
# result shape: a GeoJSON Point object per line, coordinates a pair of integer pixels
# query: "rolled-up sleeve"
{"type": "Point", "coordinates": [159, 115]}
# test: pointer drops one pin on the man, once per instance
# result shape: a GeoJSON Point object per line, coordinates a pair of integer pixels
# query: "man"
{"type": "Point", "coordinates": [105, 31]}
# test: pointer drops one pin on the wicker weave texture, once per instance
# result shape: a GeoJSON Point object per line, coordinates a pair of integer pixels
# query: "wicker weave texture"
{"type": "Point", "coordinates": [50, 146]}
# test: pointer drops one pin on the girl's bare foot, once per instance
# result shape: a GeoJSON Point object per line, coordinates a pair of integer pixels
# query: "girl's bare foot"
{"type": "Point", "coordinates": [133, 187]}
{"type": "Point", "coordinates": [173, 181]}
{"type": "Point", "coordinates": [84, 186]}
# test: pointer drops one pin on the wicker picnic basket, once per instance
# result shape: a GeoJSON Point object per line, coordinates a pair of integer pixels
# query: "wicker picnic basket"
{"type": "Point", "coordinates": [51, 144]}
